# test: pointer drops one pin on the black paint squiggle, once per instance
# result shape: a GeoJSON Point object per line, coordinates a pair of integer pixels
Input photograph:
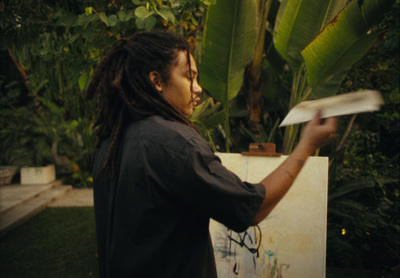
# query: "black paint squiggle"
{"type": "Point", "coordinates": [240, 239]}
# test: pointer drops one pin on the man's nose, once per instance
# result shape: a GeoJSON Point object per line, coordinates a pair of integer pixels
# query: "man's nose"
{"type": "Point", "coordinates": [197, 89]}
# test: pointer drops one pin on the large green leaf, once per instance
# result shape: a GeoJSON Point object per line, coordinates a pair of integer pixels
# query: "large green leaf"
{"type": "Point", "coordinates": [228, 46]}
{"type": "Point", "coordinates": [298, 22]}
{"type": "Point", "coordinates": [330, 85]}
{"type": "Point", "coordinates": [344, 40]}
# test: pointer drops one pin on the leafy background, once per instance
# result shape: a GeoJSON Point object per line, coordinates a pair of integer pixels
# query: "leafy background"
{"type": "Point", "coordinates": [49, 50]}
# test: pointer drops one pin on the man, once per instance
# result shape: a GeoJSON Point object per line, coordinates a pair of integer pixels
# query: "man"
{"type": "Point", "coordinates": [156, 181]}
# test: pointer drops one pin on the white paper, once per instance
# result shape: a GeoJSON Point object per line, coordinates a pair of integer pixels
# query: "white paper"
{"type": "Point", "coordinates": [345, 104]}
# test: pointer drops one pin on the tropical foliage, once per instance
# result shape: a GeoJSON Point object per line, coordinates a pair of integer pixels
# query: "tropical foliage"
{"type": "Point", "coordinates": [319, 48]}
{"type": "Point", "coordinates": [52, 48]}
{"type": "Point", "coordinates": [364, 192]}
{"type": "Point", "coordinates": [228, 46]}
{"type": "Point", "coordinates": [257, 59]}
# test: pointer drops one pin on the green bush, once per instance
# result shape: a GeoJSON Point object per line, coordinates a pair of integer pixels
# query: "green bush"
{"type": "Point", "coordinates": [364, 204]}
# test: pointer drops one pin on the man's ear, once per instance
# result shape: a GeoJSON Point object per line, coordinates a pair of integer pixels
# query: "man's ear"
{"type": "Point", "coordinates": [155, 78]}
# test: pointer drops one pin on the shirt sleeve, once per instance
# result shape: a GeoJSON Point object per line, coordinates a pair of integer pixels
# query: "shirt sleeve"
{"type": "Point", "coordinates": [207, 186]}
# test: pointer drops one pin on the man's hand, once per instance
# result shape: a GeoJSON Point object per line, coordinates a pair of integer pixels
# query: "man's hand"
{"type": "Point", "coordinates": [317, 133]}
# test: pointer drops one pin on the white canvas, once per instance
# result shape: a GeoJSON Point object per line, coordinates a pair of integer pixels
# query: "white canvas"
{"type": "Point", "coordinates": [291, 241]}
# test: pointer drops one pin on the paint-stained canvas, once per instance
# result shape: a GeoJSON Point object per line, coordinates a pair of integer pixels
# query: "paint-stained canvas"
{"type": "Point", "coordinates": [291, 241]}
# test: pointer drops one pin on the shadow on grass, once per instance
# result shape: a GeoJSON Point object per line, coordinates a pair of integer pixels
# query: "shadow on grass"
{"type": "Point", "coordinates": [59, 242]}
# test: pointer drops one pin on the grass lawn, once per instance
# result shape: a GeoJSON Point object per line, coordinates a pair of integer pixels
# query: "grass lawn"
{"type": "Point", "coordinates": [59, 242]}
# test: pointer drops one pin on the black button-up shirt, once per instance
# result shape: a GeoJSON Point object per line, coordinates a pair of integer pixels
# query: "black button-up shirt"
{"type": "Point", "coordinates": [152, 220]}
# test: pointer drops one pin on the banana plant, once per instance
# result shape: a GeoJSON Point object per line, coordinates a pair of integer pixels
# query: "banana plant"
{"type": "Point", "coordinates": [254, 81]}
{"type": "Point", "coordinates": [207, 116]}
{"type": "Point", "coordinates": [228, 46]}
{"type": "Point", "coordinates": [321, 40]}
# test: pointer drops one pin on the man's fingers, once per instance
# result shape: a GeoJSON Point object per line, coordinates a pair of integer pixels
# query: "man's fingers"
{"type": "Point", "coordinates": [329, 122]}
{"type": "Point", "coordinates": [332, 123]}
{"type": "Point", "coordinates": [317, 118]}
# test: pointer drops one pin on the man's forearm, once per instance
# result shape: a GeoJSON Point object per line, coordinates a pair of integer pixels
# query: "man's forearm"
{"type": "Point", "coordinates": [281, 179]}
{"type": "Point", "coordinates": [316, 133]}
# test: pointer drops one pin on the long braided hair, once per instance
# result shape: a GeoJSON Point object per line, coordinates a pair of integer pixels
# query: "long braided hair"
{"type": "Point", "coordinates": [122, 85]}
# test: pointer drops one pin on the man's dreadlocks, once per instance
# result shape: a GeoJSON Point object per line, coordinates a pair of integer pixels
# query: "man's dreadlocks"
{"type": "Point", "coordinates": [122, 85]}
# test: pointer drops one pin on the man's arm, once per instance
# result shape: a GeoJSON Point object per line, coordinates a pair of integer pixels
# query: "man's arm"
{"type": "Point", "coordinates": [316, 134]}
